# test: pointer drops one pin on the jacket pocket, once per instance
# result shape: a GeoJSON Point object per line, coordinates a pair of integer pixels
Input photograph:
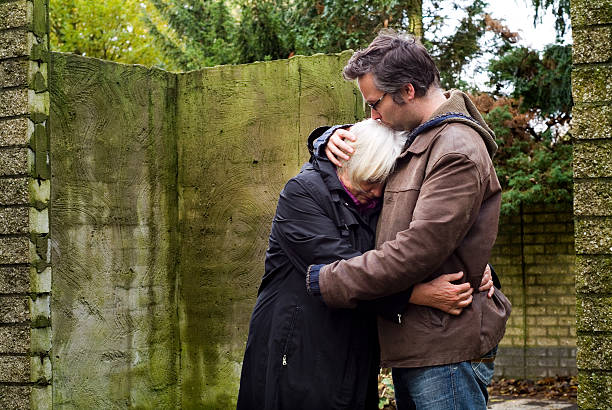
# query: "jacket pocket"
{"type": "Point", "coordinates": [396, 215]}
{"type": "Point", "coordinates": [288, 340]}
{"type": "Point", "coordinates": [433, 317]}
{"type": "Point", "coordinates": [484, 367]}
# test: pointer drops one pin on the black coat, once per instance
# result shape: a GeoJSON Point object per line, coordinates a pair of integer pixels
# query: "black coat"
{"type": "Point", "coordinates": [300, 354]}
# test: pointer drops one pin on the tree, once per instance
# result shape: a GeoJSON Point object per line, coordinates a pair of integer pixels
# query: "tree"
{"type": "Point", "coordinates": [111, 30]}
{"type": "Point", "coordinates": [192, 33]}
{"type": "Point", "coordinates": [454, 52]}
{"type": "Point", "coordinates": [534, 160]}
{"type": "Point", "coordinates": [542, 79]}
{"type": "Point", "coordinates": [329, 26]}
{"type": "Point", "coordinates": [561, 10]}
{"type": "Point", "coordinates": [263, 32]}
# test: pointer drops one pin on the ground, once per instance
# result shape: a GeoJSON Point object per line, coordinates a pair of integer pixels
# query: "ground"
{"type": "Point", "coordinates": [548, 392]}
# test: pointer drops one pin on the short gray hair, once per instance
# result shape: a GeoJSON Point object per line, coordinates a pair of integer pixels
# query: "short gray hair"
{"type": "Point", "coordinates": [394, 61]}
{"type": "Point", "coordinates": [376, 149]}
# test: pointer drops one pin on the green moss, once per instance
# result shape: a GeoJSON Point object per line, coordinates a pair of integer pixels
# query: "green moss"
{"type": "Point", "coordinates": [592, 121]}
{"type": "Point", "coordinates": [39, 52]}
{"type": "Point", "coordinates": [594, 314]}
{"type": "Point", "coordinates": [592, 159]}
{"type": "Point", "coordinates": [114, 165]}
{"type": "Point", "coordinates": [594, 389]}
{"type": "Point", "coordinates": [41, 13]}
{"type": "Point", "coordinates": [594, 274]}
{"type": "Point", "coordinates": [234, 158]}
{"type": "Point", "coordinates": [592, 45]}
{"type": "Point", "coordinates": [594, 352]}
{"type": "Point", "coordinates": [590, 12]}
{"type": "Point", "coordinates": [591, 83]}
{"type": "Point", "coordinates": [593, 197]}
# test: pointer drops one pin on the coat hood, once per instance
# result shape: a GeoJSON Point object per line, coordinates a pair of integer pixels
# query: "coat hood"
{"type": "Point", "coordinates": [457, 102]}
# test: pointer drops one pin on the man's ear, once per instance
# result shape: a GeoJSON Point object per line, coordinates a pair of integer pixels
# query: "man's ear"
{"type": "Point", "coordinates": [409, 90]}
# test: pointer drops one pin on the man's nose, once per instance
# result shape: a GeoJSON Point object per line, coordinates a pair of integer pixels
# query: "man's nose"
{"type": "Point", "coordinates": [375, 115]}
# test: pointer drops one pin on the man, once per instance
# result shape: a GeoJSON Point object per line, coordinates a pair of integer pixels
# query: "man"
{"type": "Point", "coordinates": [440, 215]}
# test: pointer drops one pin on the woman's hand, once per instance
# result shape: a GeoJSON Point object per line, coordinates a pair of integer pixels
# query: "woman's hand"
{"type": "Point", "coordinates": [337, 148]}
{"type": "Point", "coordinates": [441, 294]}
{"type": "Point", "coordinates": [487, 282]}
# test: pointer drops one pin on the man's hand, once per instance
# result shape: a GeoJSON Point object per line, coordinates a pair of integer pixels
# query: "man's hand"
{"type": "Point", "coordinates": [337, 148]}
{"type": "Point", "coordinates": [487, 283]}
{"type": "Point", "coordinates": [441, 294]}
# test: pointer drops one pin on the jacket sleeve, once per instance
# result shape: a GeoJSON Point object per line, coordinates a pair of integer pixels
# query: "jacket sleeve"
{"type": "Point", "coordinates": [304, 230]}
{"type": "Point", "coordinates": [307, 234]}
{"type": "Point", "coordinates": [450, 194]}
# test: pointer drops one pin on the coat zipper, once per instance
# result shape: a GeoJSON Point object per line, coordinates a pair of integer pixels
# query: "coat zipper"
{"type": "Point", "coordinates": [291, 327]}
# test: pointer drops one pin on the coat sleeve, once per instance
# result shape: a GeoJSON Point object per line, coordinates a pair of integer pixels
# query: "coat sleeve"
{"type": "Point", "coordinates": [305, 231]}
{"type": "Point", "coordinates": [308, 235]}
{"type": "Point", "coordinates": [450, 194]}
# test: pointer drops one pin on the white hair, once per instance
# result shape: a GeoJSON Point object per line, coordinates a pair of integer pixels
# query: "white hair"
{"type": "Point", "coordinates": [376, 149]}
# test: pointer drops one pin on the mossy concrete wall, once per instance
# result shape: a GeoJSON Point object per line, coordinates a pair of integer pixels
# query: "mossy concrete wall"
{"type": "Point", "coordinates": [163, 189]}
{"type": "Point", "coordinates": [242, 134]}
{"type": "Point", "coordinates": [592, 92]}
{"type": "Point", "coordinates": [114, 207]}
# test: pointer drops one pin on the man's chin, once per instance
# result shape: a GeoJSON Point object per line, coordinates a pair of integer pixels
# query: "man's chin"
{"type": "Point", "coordinates": [395, 128]}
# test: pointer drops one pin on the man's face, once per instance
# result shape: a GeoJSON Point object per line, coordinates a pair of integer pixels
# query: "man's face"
{"type": "Point", "coordinates": [386, 110]}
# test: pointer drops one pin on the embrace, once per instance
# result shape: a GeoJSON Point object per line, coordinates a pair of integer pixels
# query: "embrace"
{"type": "Point", "coordinates": [378, 253]}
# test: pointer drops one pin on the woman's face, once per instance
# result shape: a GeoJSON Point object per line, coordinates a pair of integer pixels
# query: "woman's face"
{"type": "Point", "coordinates": [366, 191]}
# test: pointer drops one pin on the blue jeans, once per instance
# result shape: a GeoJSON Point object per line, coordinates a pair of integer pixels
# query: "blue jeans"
{"type": "Point", "coordinates": [455, 386]}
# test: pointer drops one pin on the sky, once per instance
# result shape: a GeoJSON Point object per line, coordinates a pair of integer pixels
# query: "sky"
{"type": "Point", "coordinates": [518, 16]}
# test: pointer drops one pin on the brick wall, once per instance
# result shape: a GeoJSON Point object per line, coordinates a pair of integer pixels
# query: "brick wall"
{"type": "Point", "coordinates": [25, 273]}
{"type": "Point", "coordinates": [534, 256]}
{"type": "Point", "coordinates": [592, 91]}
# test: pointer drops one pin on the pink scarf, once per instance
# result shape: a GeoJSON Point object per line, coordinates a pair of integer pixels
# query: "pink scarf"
{"type": "Point", "coordinates": [361, 207]}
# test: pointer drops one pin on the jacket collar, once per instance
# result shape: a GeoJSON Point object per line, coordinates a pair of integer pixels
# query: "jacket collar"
{"type": "Point", "coordinates": [457, 108]}
{"type": "Point", "coordinates": [327, 170]}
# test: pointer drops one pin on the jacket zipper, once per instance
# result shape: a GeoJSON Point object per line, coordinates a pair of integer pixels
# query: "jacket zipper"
{"type": "Point", "coordinates": [291, 327]}
{"type": "Point", "coordinates": [399, 318]}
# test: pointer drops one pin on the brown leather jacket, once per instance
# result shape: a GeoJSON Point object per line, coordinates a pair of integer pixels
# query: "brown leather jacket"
{"type": "Point", "coordinates": [440, 215]}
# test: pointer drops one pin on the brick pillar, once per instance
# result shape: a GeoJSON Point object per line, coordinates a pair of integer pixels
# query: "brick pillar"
{"type": "Point", "coordinates": [592, 92]}
{"type": "Point", "coordinates": [25, 269]}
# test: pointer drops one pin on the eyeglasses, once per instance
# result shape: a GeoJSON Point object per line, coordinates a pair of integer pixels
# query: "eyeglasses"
{"type": "Point", "coordinates": [373, 105]}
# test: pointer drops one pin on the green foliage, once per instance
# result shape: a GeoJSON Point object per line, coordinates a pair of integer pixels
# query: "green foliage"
{"type": "Point", "coordinates": [386, 392]}
{"type": "Point", "coordinates": [197, 33]}
{"type": "Point", "coordinates": [277, 29]}
{"type": "Point", "coordinates": [453, 52]}
{"type": "Point", "coordinates": [542, 80]}
{"type": "Point", "coordinates": [192, 33]}
{"type": "Point", "coordinates": [530, 169]}
{"type": "Point", "coordinates": [111, 30]}
{"type": "Point", "coordinates": [263, 33]}
{"type": "Point", "coordinates": [330, 26]}
{"type": "Point", "coordinates": [534, 161]}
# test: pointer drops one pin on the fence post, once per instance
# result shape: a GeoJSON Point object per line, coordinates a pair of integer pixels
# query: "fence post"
{"type": "Point", "coordinates": [25, 266]}
{"type": "Point", "coordinates": [591, 89]}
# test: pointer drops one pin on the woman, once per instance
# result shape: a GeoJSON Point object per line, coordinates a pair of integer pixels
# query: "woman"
{"type": "Point", "coordinates": [301, 354]}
